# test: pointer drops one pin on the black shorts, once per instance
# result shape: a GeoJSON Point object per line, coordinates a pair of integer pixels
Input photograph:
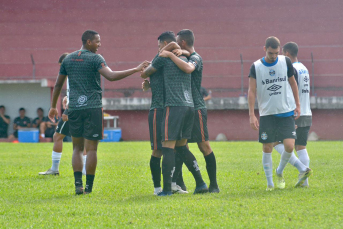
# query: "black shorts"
{"type": "Point", "coordinates": [302, 135]}
{"type": "Point", "coordinates": [199, 131]}
{"type": "Point", "coordinates": [3, 135]}
{"type": "Point", "coordinates": [274, 128]}
{"type": "Point", "coordinates": [86, 123]}
{"type": "Point", "coordinates": [177, 123]}
{"type": "Point", "coordinates": [49, 132]}
{"type": "Point", "coordinates": [155, 122]}
{"type": "Point", "coordinates": [63, 127]}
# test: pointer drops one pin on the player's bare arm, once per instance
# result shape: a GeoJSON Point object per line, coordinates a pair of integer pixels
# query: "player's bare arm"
{"type": "Point", "coordinates": [184, 66]}
{"type": "Point", "coordinates": [118, 75]}
{"type": "Point", "coordinates": [145, 85]}
{"type": "Point", "coordinates": [251, 101]}
{"type": "Point", "coordinates": [294, 87]}
{"type": "Point", "coordinates": [147, 72]}
{"type": "Point", "coordinates": [6, 120]}
{"type": "Point", "coordinates": [170, 47]}
{"type": "Point", "coordinates": [55, 94]}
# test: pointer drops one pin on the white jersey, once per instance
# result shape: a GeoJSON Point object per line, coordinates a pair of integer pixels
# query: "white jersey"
{"type": "Point", "coordinates": [274, 93]}
{"type": "Point", "coordinates": [304, 89]}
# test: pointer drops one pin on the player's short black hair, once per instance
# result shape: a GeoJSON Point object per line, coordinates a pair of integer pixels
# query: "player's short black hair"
{"type": "Point", "coordinates": [2, 106]}
{"type": "Point", "coordinates": [62, 57]}
{"type": "Point", "coordinates": [292, 48]}
{"type": "Point", "coordinates": [187, 35]}
{"type": "Point", "coordinates": [22, 109]}
{"type": "Point", "coordinates": [40, 109]}
{"type": "Point", "coordinates": [167, 36]}
{"type": "Point", "coordinates": [272, 42]}
{"type": "Point", "coordinates": [88, 35]}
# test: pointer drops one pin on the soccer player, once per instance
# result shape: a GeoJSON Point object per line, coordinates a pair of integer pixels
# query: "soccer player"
{"type": "Point", "coordinates": [83, 68]}
{"type": "Point", "coordinates": [304, 122]}
{"type": "Point", "coordinates": [61, 131]}
{"type": "Point", "coordinates": [178, 116]}
{"type": "Point", "coordinates": [185, 39]}
{"type": "Point", "coordinates": [272, 79]}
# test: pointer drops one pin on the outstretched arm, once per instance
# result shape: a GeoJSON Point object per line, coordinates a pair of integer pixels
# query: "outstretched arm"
{"type": "Point", "coordinates": [184, 66]}
{"type": "Point", "coordinates": [148, 72]}
{"type": "Point", "coordinates": [170, 47]}
{"type": "Point", "coordinates": [294, 87]}
{"type": "Point", "coordinates": [118, 75]}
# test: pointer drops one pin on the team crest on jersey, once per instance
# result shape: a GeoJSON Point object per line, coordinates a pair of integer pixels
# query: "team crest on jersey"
{"type": "Point", "coordinates": [187, 97]}
{"type": "Point", "coordinates": [306, 79]}
{"type": "Point", "coordinates": [264, 136]}
{"type": "Point", "coordinates": [82, 99]}
{"type": "Point", "coordinates": [272, 72]}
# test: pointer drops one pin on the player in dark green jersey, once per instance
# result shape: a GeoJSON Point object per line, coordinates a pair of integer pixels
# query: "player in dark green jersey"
{"type": "Point", "coordinates": [178, 117]}
{"type": "Point", "coordinates": [185, 40]}
{"type": "Point", "coordinates": [83, 68]}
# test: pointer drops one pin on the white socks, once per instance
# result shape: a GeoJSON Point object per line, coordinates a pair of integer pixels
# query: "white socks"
{"type": "Point", "coordinates": [268, 167]}
{"type": "Point", "coordinates": [285, 156]}
{"type": "Point", "coordinates": [304, 158]}
{"type": "Point", "coordinates": [293, 160]}
{"type": "Point", "coordinates": [56, 158]}
{"type": "Point", "coordinates": [84, 164]}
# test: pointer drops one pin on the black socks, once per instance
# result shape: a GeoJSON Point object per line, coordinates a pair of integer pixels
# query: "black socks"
{"type": "Point", "coordinates": [191, 163]}
{"type": "Point", "coordinates": [211, 167]}
{"type": "Point", "coordinates": [89, 183]}
{"type": "Point", "coordinates": [155, 167]}
{"type": "Point", "coordinates": [168, 167]}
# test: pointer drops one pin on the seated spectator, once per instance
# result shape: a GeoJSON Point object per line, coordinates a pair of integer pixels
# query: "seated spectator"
{"type": "Point", "coordinates": [37, 121]}
{"type": "Point", "coordinates": [21, 122]}
{"type": "Point", "coordinates": [4, 122]}
{"type": "Point", "coordinates": [47, 128]}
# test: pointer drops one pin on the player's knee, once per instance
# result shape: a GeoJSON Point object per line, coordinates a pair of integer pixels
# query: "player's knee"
{"type": "Point", "coordinates": [58, 137]}
{"type": "Point", "coordinates": [289, 147]}
{"type": "Point", "coordinates": [299, 147]}
{"type": "Point", "coordinates": [268, 148]}
{"type": "Point", "coordinates": [205, 148]}
{"type": "Point", "coordinates": [157, 153]}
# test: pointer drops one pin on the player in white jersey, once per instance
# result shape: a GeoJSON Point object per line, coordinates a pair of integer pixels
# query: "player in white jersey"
{"type": "Point", "coordinates": [272, 79]}
{"type": "Point", "coordinates": [62, 130]}
{"type": "Point", "coordinates": [304, 122]}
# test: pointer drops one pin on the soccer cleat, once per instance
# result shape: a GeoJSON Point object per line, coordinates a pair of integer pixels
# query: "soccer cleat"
{"type": "Point", "coordinates": [303, 176]}
{"type": "Point", "coordinates": [280, 181]}
{"type": "Point", "coordinates": [50, 172]}
{"type": "Point", "coordinates": [164, 193]}
{"type": "Point", "coordinates": [214, 189]}
{"type": "Point", "coordinates": [270, 188]}
{"type": "Point", "coordinates": [157, 191]}
{"type": "Point", "coordinates": [201, 189]}
{"type": "Point", "coordinates": [79, 190]}
{"type": "Point", "coordinates": [178, 190]}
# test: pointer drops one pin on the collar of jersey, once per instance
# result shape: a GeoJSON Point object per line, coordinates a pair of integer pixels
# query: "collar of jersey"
{"type": "Point", "coordinates": [193, 53]}
{"type": "Point", "coordinates": [269, 64]}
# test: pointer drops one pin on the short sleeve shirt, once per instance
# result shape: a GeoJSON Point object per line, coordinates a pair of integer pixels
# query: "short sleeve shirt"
{"type": "Point", "coordinates": [290, 68]}
{"type": "Point", "coordinates": [82, 68]}
{"type": "Point", "coordinates": [36, 120]}
{"type": "Point", "coordinates": [3, 124]}
{"type": "Point", "coordinates": [156, 85]}
{"type": "Point", "coordinates": [22, 122]}
{"type": "Point", "coordinates": [196, 60]}
{"type": "Point", "coordinates": [177, 84]}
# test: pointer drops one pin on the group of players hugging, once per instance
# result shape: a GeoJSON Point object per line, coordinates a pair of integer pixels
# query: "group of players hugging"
{"type": "Point", "coordinates": [178, 113]}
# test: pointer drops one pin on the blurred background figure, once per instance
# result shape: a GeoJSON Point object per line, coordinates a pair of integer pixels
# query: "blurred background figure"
{"type": "Point", "coordinates": [21, 122]}
{"type": "Point", "coordinates": [4, 122]}
{"type": "Point", "coordinates": [206, 95]}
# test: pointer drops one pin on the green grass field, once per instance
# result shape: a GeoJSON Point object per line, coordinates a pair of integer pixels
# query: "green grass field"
{"type": "Point", "coordinates": [123, 192]}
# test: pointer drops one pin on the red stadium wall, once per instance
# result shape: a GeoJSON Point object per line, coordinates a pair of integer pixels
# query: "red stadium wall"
{"type": "Point", "coordinates": [223, 30]}
{"type": "Point", "coordinates": [327, 124]}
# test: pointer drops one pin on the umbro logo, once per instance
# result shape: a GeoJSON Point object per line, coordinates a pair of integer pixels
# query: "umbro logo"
{"type": "Point", "coordinates": [294, 133]}
{"type": "Point", "coordinates": [274, 87]}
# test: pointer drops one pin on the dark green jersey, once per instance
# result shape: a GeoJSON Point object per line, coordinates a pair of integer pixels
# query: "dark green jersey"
{"type": "Point", "coordinates": [198, 100]}
{"type": "Point", "coordinates": [156, 84]}
{"type": "Point", "coordinates": [177, 84]}
{"type": "Point", "coordinates": [82, 68]}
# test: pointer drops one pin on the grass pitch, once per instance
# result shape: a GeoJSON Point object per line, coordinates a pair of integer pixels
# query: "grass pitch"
{"type": "Point", "coordinates": [122, 194]}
